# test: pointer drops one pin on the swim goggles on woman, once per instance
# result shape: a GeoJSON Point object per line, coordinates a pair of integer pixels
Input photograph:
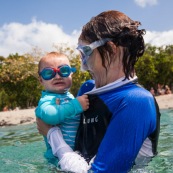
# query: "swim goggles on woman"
{"type": "Point", "coordinates": [87, 50]}
{"type": "Point", "coordinates": [63, 71]}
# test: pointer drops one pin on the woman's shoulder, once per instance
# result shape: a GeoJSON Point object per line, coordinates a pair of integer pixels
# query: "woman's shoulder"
{"type": "Point", "coordinates": [140, 96]}
{"type": "Point", "coordinates": [139, 92]}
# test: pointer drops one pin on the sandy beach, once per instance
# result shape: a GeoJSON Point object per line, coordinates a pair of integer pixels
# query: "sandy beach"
{"type": "Point", "coordinates": [27, 116]}
{"type": "Point", "coordinates": [16, 117]}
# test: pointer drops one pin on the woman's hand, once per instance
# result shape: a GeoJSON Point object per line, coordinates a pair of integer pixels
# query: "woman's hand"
{"type": "Point", "coordinates": [42, 127]}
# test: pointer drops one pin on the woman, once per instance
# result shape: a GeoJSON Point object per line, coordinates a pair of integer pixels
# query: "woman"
{"type": "Point", "coordinates": [122, 122]}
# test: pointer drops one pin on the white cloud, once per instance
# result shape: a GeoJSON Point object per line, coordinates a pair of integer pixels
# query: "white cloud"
{"type": "Point", "coordinates": [20, 38]}
{"type": "Point", "coordinates": [144, 3]}
{"type": "Point", "coordinates": [159, 38]}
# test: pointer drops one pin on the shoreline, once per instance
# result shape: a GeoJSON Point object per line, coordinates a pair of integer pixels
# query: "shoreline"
{"type": "Point", "coordinates": [17, 117]}
{"type": "Point", "coordinates": [27, 116]}
{"type": "Point", "coordinates": [165, 101]}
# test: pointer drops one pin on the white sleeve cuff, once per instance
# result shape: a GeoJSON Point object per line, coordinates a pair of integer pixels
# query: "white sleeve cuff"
{"type": "Point", "coordinates": [57, 143]}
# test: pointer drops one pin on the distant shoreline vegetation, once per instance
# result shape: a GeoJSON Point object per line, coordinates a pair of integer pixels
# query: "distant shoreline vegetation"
{"type": "Point", "coordinates": [19, 85]}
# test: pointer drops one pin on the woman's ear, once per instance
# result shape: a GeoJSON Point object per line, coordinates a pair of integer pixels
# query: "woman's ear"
{"type": "Point", "coordinates": [113, 46]}
{"type": "Point", "coordinates": [112, 53]}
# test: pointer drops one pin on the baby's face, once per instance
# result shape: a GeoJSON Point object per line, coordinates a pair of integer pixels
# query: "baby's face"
{"type": "Point", "coordinates": [57, 84]}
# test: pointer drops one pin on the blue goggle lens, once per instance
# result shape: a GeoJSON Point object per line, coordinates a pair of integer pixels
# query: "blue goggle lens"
{"type": "Point", "coordinates": [48, 73]}
{"type": "Point", "coordinates": [63, 71]}
{"type": "Point", "coordinates": [85, 51]}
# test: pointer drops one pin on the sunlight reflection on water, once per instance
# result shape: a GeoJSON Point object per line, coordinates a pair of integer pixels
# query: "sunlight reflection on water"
{"type": "Point", "coordinates": [21, 149]}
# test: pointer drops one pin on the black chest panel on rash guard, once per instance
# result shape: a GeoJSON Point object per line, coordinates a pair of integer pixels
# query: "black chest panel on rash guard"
{"type": "Point", "coordinates": [154, 137]}
{"type": "Point", "coordinates": [93, 125]}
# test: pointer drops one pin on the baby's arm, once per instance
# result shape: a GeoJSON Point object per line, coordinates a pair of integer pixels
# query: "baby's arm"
{"type": "Point", "coordinates": [69, 160]}
{"type": "Point", "coordinates": [52, 113]}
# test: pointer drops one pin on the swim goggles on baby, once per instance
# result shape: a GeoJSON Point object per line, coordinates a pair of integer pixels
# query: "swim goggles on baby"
{"type": "Point", "coordinates": [63, 71]}
{"type": "Point", "coordinates": [87, 50]}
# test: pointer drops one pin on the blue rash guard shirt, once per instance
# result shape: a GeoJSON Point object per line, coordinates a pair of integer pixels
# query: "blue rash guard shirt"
{"type": "Point", "coordinates": [116, 125]}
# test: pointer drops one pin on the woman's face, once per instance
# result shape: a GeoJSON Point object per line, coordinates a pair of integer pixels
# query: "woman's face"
{"type": "Point", "coordinates": [98, 72]}
{"type": "Point", "coordinates": [95, 68]}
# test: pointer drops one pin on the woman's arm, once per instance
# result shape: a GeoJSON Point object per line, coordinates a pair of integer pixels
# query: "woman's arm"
{"type": "Point", "coordinates": [130, 125]}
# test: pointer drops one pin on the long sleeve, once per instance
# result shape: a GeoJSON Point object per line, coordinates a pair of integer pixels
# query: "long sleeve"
{"type": "Point", "coordinates": [52, 113]}
{"type": "Point", "coordinates": [58, 145]}
{"type": "Point", "coordinates": [68, 160]}
{"type": "Point", "coordinates": [132, 121]}
{"type": "Point", "coordinates": [116, 126]}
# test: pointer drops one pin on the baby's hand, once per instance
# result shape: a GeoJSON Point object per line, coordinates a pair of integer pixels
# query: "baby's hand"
{"type": "Point", "coordinates": [84, 101]}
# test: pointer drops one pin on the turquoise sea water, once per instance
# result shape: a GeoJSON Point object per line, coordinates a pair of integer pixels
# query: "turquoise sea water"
{"type": "Point", "coordinates": [21, 149]}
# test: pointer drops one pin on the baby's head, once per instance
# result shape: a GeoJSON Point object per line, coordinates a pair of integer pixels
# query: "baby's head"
{"type": "Point", "coordinates": [55, 72]}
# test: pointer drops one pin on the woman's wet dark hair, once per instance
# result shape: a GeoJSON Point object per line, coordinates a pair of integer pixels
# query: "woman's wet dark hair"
{"type": "Point", "coordinates": [123, 31]}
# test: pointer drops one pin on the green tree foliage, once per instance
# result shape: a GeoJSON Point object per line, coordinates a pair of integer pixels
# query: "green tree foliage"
{"type": "Point", "coordinates": [146, 71]}
{"type": "Point", "coordinates": [20, 87]}
{"type": "Point", "coordinates": [16, 68]}
{"type": "Point", "coordinates": [164, 65]}
{"type": "Point", "coordinates": [4, 99]}
{"type": "Point", "coordinates": [19, 81]}
{"type": "Point", "coordinates": [19, 84]}
{"type": "Point", "coordinates": [1, 59]}
{"type": "Point", "coordinates": [155, 67]}
{"type": "Point", "coordinates": [79, 76]}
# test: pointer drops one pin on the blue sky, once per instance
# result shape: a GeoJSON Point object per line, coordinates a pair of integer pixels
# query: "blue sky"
{"type": "Point", "coordinates": [25, 24]}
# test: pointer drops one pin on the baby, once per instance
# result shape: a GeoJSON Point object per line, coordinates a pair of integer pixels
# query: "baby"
{"type": "Point", "coordinates": [57, 106]}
